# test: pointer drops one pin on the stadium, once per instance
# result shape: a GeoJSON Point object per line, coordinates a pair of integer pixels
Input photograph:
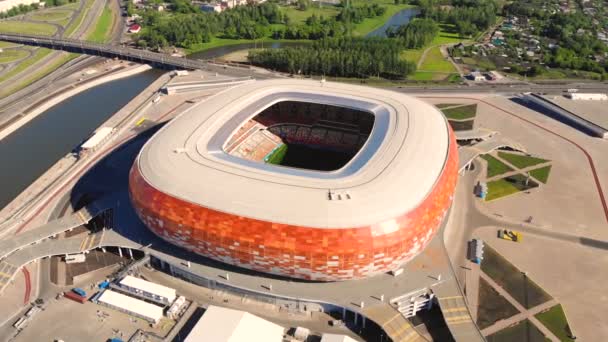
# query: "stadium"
{"type": "Point", "coordinates": [303, 179]}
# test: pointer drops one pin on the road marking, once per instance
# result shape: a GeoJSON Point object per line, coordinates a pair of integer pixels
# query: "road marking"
{"type": "Point", "coordinates": [463, 308]}
{"type": "Point", "coordinates": [452, 297]}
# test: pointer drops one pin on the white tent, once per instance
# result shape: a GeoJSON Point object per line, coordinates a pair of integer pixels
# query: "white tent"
{"type": "Point", "coordinates": [227, 325]}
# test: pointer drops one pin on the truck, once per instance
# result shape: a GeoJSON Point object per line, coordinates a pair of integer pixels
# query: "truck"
{"type": "Point", "coordinates": [75, 297]}
{"type": "Point", "coordinates": [510, 235]}
{"type": "Point", "coordinates": [79, 292]}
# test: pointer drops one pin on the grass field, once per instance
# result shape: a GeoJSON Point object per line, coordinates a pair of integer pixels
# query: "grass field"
{"type": "Point", "coordinates": [461, 125]}
{"type": "Point", "coordinates": [38, 75]}
{"type": "Point", "coordinates": [411, 55]}
{"type": "Point", "coordinates": [434, 61]}
{"type": "Point", "coordinates": [461, 113]}
{"type": "Point", "coordinates": [492, 306]}
{"type": "Point", "coordinates": [495, 166]}
{"type": "Point", "coordinates": [299, 17]}
{"type": "Point", "coordinates": [38, 55]}
{"type": "Point", "coordinates": [429, 76]}
{"type": "Point", "coordinates": [8, 56]}
{"type": "Point", "coordinates": [509, 277]}
{"type": "Point", "coordinates": [521, 161]}
{"type": "Point", "coordinates": [446, 105]}
{"type": "Point", "coordinates": [541, 174]}
{"type": "Point", "coordinates": [103, 27]}
{"type": "Point", "coordinates": [276, 156]}
{"type": "Point", "coordinates": [54, 15]}
{"type": "Point", "coordinates": [23, 27]}
{"type": "Point", "coordinates": [555, 320]}
{"type": "Point", "coordinates": [78, 20]}
{"type": "Point", "coordinates": [508, 186]}
{"type": "Point", "coordinates": [523, 331]}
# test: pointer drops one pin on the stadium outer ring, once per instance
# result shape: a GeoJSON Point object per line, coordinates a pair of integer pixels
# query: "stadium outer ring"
{"type": "Point", "coordinates": [301, 252]}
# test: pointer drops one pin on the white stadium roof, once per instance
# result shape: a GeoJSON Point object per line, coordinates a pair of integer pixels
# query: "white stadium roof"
{"type": "Point", "coordinates": [227, 325]}
{"type": "Point", "coordinates": [144, 285]}
{"type": "Point", "coordinates": [130, 304]}
{"type": "Point", "coordinates": [392, 173]}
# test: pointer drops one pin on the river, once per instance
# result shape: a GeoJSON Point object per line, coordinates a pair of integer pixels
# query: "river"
{"type": "Point", "coordinates": [31, 150]}
{"type": "Point", "coordinates": [400, 18]}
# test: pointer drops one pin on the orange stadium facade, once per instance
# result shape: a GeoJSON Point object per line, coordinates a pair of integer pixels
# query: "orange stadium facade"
{"type": "Point", "coordinates": [323, 252]}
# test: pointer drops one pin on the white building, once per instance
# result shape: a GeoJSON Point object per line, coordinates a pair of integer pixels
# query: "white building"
{"type": "Point", "coordinates": [587, 96]}
{"type": "Point", "coordinates": [6, 5]}
{"type": "Point", "coordinates": [227, 325]}
{"type": "Point", "coordinates": [148, 290]}
{"type": "Point", "coordinates": [132, 306]}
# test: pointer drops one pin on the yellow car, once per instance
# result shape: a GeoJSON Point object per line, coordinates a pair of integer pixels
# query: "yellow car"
{"type": "Point", "coordinates": [510, 235]}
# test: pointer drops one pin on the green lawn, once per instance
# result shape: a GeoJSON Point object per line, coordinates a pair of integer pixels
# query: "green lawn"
{"type": "Point", "coordinates": [8, 56]}
{"type": "Point", "coordinates": [54, 15]}
{"type": "Point", "coordinates": [521, 161]}
{"type": "Point", "coordinates": [23, 27]}
{"type": "Point", "coordinates": [508, 185]}
{"type": "Point", "coordinates": [523, 331]}
{"type": "Point", "coordinates": [411, 55]}
{"type": "Point", "coordinates": [276, 156]}
{"type": "Point", "coordinates": [103, 27]}
{"type": "Point", "coordinates": [446, 105]}
{"type": "Point", "coordinates": [495, 166]}
{"type": "Point", "coordinates": [541, 174]}
{"type": "Point", "coordinates": [299, 17]}
{"type": "Point", "coordinates": [510, 278]}
{"type": "Point", "coordinates": [555, 320]}
{"type": "Point", "coordinates": [434, 61]}
{"type": "Point", "coordinates": [429, 76]}
{"type": "Point", "coordinates": [461, 113]}
{"type": "Point", "coordinates": [447, 35]}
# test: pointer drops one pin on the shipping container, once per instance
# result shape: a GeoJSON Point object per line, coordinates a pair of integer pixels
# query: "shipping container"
{"type": "Point", "coordinates": [79, 292]}
{"type": "Point", "coordinates": [75, 297]}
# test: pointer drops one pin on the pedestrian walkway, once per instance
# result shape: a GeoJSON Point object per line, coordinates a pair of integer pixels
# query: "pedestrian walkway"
{"type": "Point", "coordinates": [524, 313]}
{"type": "Point", "coordinates": [456, 314]}
{"type": "Point", "coordinates": [396, 326]}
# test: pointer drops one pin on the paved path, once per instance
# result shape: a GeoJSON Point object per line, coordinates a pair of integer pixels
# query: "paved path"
{"type": "Point", "coordinates": [516, 170]}
{"type": "Point", "coordinates": [524, 313]}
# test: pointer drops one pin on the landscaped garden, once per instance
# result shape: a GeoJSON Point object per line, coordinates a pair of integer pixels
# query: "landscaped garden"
{"type": "Point", "coordinates": [515, 282]}
{"type": "Point", "coordinates": [492, 306]}
{"type": "Point", "coordinates": [495, 166]}
{"type": "Point", "coordinates": [523, 331]}
{"type": "Point", "coordinates": [521, 160]}
{"type": "Point", "coordinates": [555, 320]}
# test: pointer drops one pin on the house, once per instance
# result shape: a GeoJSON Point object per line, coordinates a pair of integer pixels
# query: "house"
{"type": "Point", "coordinates": [476, 76]}
{"type": "Point", "coordinates": [135, 28]}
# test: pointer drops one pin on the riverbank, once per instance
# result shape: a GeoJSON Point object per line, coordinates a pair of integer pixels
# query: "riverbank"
{"type": "Point", "coordinates": [66, 92]}
{"type": "Point", "coordinates": [55, 175]}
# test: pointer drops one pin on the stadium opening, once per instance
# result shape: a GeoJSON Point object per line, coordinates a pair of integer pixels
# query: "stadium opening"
{"type": "Point", "coordinates": [304, 135]}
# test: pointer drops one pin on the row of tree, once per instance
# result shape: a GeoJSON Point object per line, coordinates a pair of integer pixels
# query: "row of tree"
{"type": "Point", "coordinates": [186, 29]}
{"type": "Point", "coordinates": [416, 34]}
{"type": "Point", "coordinates": [468, 16]}
{"type": "Point", "coordinates": [339, 57]}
